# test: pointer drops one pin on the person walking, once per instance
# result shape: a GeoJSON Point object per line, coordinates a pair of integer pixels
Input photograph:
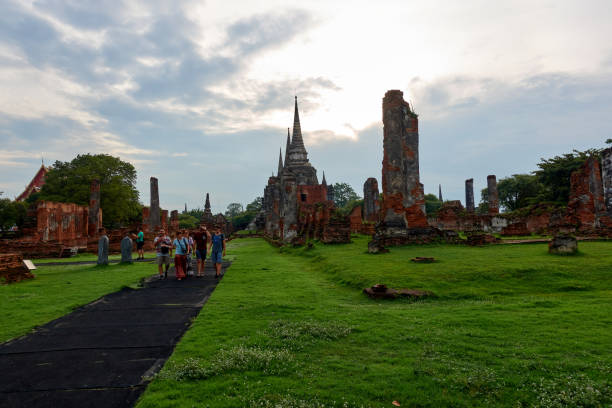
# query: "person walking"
{"type": "Point", "coordinates": [189, 255]}
{"type": "Point", "coordinates": [163, 247]}
{"type": "Point", "coordinates": [218, 250]}
{"type": "Point", "coordinates": [181, 246]}
{"type": "Point", "coordinates": [140, 244]}
{"type": "Point", "coordinates": [201, 239]}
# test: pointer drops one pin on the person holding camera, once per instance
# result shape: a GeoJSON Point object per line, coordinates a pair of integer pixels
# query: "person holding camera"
{"type": "Point", "coordinates": [163, 245]}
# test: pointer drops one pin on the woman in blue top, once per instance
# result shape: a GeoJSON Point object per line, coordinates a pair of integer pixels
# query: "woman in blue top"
{"type": "Point", "coordinates": [218, 250]}
{"type": "Point", "coordinates": [180, 259]}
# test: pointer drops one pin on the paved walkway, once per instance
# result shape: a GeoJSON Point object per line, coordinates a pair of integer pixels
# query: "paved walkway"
{"type": "Point", "coordinates": [101, 354]}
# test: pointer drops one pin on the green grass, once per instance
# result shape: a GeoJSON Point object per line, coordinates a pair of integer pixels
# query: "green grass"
{"type": "Point", "coordinates": [87, 256]}
{"type": "Point", "coordinates": [511, 326]}
{"type": "Point", "coordinates": [57, 290]}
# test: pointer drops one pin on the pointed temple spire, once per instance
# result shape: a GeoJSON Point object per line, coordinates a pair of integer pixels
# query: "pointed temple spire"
{"type": "Point", "coordinates": [185, 208]}
{"type": "Point", "coordinates": [440, 192]}
{"type": "Point", "coordinates": [207, 203]}
{"type": "Point", "coordinates": [280, 162]}
{"type": "Point", "coordinates": [324, 182]}
{"type": "Point", "coordinates": [297, 143]}
{"type": "Point", "coordinates": [287, 147]}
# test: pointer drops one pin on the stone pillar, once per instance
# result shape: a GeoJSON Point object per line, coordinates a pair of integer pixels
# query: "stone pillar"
{"type": "Point", "coordinates": [94, 208]}
{"type": "Point", "coordinates": [164, 219]}
{"type": "Point", "coordinates": [403, 198]}
{"type": "Point", "coordinates": [174, 221]}
{"type": "Point", "coordinates": [493, 196]}
{"type": "Point", "coordinates": [469, 195]}
{"type": "Point", "coordinates": [606, 174]}
{"type": "Point", "coordinates": [371, 204]}
{"type": "Point", "coordinates": [145, 220]}
{"type": "Point", "coordinates": [154, 211]}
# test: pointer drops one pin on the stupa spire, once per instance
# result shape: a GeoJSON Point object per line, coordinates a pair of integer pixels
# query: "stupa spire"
{"type": "Point", "coordinates": [297, 143]}
{"type": "Point", "coordinates": [280, 161]}
{"type": "Point", "coordinates": [324, 182]}
{"type": "Point", "coordinates": [287, 147]}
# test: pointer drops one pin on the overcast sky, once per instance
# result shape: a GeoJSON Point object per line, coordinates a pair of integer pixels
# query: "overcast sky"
{"type": "Point", "coordinates": [200, 94]}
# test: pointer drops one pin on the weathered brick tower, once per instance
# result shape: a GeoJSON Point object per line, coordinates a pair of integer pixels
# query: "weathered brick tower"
{"type": "Point", "coordinates": [403, 207]}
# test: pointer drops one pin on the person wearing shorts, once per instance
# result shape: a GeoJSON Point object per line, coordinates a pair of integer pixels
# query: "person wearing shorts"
{"type": "Point", "coordinates": [181, 245]}
{"type": "Point", "coordinates": [163, 246]}
{"type": "Point", "coordinates": [202, 242]}
{"type": "Point", "coordinates": [218, 251]}
{"type": "Point", "coordinates": [140, 243]}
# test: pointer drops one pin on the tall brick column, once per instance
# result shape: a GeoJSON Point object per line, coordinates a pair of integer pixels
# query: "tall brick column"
{"type": "Point", "coordinates": [93, 222]}
{"type": "Point", "coordinates": [606, 175]}
{"type": "Point", "coordinates": [469, 195]}
{"type": "Point", "coordinates": [371, 204]}
{"type": "Point", "coordinates": [403, 218]}
{"type": "Point", "coordinates": [493, 196]}
{"type": "Point", "coordinates": [154, 211]}
{"type": "Point", "coordinates": [403, 198]}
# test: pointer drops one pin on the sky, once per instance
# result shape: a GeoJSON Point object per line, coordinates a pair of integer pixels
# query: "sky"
{"type": "Point", "coordinates": [200, 93]}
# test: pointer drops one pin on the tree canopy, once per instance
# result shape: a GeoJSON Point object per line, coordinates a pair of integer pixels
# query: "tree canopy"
{"type": "Point", "coordinates": [554, 174]}
{"type": "Point", "coordinates": [12, 213]}
{"type": "Point", "coordinates": [343, 194]}
{"type": "Point", "coordinates": [70, 182]}
{"type": "Point", "coordinates": [432, 204]}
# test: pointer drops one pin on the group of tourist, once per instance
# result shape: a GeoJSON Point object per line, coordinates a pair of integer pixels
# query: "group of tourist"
{"type": "Point", "coordinates": [184, 246]}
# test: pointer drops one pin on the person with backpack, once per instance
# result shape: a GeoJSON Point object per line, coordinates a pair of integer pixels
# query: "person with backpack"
{"type": "Point", "coordinates": [189, 255]}
{"type": "Point", "coordinates": [163, 246]}
{"type": "Point", "coordinates": [181, 246]}
{"type": "Point", "coordinates": [218, 250]}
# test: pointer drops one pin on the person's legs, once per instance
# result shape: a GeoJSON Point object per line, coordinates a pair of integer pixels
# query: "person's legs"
{"type": "Point", "coordinates": [159, 266]}
{"type": "Point", "coordinates": [218, 267]}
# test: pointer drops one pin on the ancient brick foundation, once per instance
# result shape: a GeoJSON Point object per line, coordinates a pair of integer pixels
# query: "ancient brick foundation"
{"type": "Point", "coordinates": [12, 268]}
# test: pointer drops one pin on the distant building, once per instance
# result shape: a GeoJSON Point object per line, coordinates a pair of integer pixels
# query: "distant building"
{"type": "Point", "coordinates": [35, 185]}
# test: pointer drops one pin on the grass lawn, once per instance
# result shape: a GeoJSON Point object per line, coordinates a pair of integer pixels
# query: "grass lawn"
{"type": "Point", "coordinates": [511, 326]}
{"type": "Point", "coordinates": [57, 290]}
{"type": "Point", "coordinates": [88, 256]}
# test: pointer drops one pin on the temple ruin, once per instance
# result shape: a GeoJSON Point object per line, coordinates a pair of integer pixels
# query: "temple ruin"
{"type": "Point", "coordinates": [295, 206]}
{"type": "Point", "coordinates": [402, 219]}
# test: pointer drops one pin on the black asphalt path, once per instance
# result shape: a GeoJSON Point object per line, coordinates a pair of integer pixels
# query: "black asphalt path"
{"type": "Point", "coordinates": [102, 354]}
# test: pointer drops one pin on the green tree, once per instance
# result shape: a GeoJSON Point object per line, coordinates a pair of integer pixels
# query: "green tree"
{"type": "Point", "coordinates": [12, 213]}
{"type": "Point", "coordinates": [432, 204]}
{"type": "Point", "coordinates": [70, 182]}
{"type": "Point", "coordinates": [233, 209]}
{"type": "Point", "coordinates": [255, 205]}
{"type": "Point", "coordinates": [554, 175]}
{"type": "Point", "coordinates": [519, 190]}
{"type": "Point", "coordinates": [188, 221]}
{"type": "Point", "coordinates": [483, 206]}
{"type": "Point", "coordinates": [343, 194]}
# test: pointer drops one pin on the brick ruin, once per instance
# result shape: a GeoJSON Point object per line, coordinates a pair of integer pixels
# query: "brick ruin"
{"type": "Point", "coordinates": [54, 229]}
{"type": "Point", "coordinates": [214, 221]}
{"type": "Point", "coordinates": [402, 213]}
{"type": "Point", "coordinates": [588, 212]}
{"type": "Point", "coordinates": [12, 268]}
{"type": "Point", "coordinates": [295, 206]}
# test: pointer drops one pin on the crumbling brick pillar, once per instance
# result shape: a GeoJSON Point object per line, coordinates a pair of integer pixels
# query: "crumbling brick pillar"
{"type": "Point", "coordinates": [94, 221]}
{"type": "Point", "coordinates": [403, 198]}
{"type": "Point", "coordinates": [174, 221]}
{"type": "Point", "coordinates": [493, 196]}
{"type": "Point", "coordinates": [469, 195]}
{"type": "Point", "coordinates": [154, 210]}
{"type": "Point", "coordinates": [164, 219]}
{"type": "Point", "coordinates": [371, 204]}
{"type": "Point", "coordinates": [403, 218]}
{"type": "Point", "coordinates": [606, 175]}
